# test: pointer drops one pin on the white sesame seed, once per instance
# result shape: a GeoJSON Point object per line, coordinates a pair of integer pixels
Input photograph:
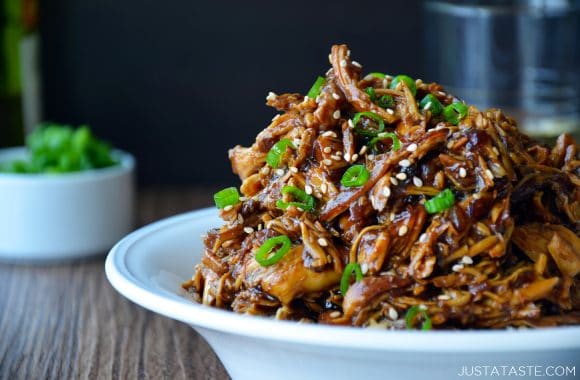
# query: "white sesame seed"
{"type": "Point", "coordinates": [338, 153]}
{"type": "Point", "coordinates": [387, 191]}
{"type": "Point", "coordinates": [240, 219]}
{"type": "Point", "coordinates": [466, 260]}
{"type": "Point", "coordinates": [405, 163]}
{"type": "Point", "coordinates": [392, 216]}
{"type": "Point", "coordinates": [403, 230]}
{"type": "Point", "coordinates": [280, 172]}
{"type": "Point", "coordinates": [348, 53]}
{"type": "Point", "coordinates": [248, 230]}
{"type": "Point", "coordinates": [275, 117]}
{"type": "Point", "coordinates": [371, 156]}
{"type": "Point", "coordinates": [393, 314]}
{"type": "Point", "coordinates": [412, 147]}
{"type": "Point", "coordinates": [347, 157]}
{"type": "Point", "coordinates": [322, 242]}
{"type": "Point", "coordinates": [427, 106]}
{"type": "Point", "coordinates": [385, 83]}
{"type": "Point", "coordinates": [243, 199]}
{"type": "Point", "coordinates": [327, 162]}
{"type": "Point", "coordinates": [271, 96]}
{"type": "Point", "coordinates": [390, 111]}
{"type": "Point", "coordinates": [363, 150]}
{"type": "Point", "coordinates": [323, 188]}
{"type": "Point", "coordinates": [327, 149]}
{"type": "Point", "coordinates": [336, 158]}
{"type": "Point", "coordinates": [443, 297]}
{"type": "Point", "coordinates": [394, 181]}
{"type": "Point", "coordinates": [401, 176]}
{"type": "Point", "coordinates": [364, 268]}
{"type": "Point", "coordinates": [228, 208]}
{"type": "Point", "coordinates": [293, 169]}
{"type": "Point", "coordinates": [308, 189]}
{"type": "Point", "coordinates": [495, 150]}
{"type": "Point", "coordinates": [329, 134]}
{"type": "Point", "coordinates": [336, 114]}
{"type": "Point", "coordinates": [423, 238]}
{"type": "Point", "coordinates": [354, 157]}
{"type": "Point", "coordinates": [462, 172]}
{"type": "Point", "coordinates": [306, 98]}
{"type": "Point", "coordinates": [317, 99]}
{"type": "Point", "coordinates": [265, 170]}
{"type": "Point", "coordinates": [350, 124]}
{"type": "Point", "coordinates": [335, 96]}
{"type": "Point", "coordinates": [342, 63]}
{"type": "Point", "coordinates": [300, 209]}
{"type": "Point", "coordinates": [260, 227]}
{"type": "Point", "coordinates": [417, 182]}
{"type": "Point", "coordinates": [355, 63]}
{"type": "Point", "coordinates": [330, 58]}
{"type": "Point", "coordinates": [422, 307]}
{"type": "Point", "coordinates": [489, 174]}
{"type": "Point", "coordinates": [334, 314]}
{"type": "Point", "coordinates": [441, 93]}
{"type": "Point", "coordinates": [457, 267]}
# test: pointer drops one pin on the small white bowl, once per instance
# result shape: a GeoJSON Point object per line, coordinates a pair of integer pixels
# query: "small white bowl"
{"type": "Point", "coordinates": [149, 265]}
{"type": "Point", "coordinates": [45, 217]}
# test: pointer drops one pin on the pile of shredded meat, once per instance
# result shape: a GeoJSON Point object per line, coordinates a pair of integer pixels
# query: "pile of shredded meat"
{"type": "Point", "coordinates": [505, 253]}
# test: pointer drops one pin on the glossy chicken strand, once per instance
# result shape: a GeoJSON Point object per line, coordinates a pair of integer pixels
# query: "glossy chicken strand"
{"type": "Point", "coordinates": [506, 253]}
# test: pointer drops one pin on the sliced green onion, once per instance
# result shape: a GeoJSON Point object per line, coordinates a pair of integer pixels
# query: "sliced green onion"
{"type": "Point", "coordinates": [386, 135]}
{"type": "Point", "coordinates": [412, 313]}
{"type": "Point", "coordinates": [455, 112]}
{"type": "Point", "coordinates": [410, 82]}
{"type": "Point", "coordinates": [369, 115]}
{"type": "Point", "coordinates": [386, 101]}
{"type": "Point", "coordinates": [274, 156]}
{"type": "Point", "coordinates": [316, 87]}
{"type": "Point", "coordinates": [440, 202]}
{"type": "Point", "coordinates": [226, 197]}
{"type": "Point", "coordinates": [263, 256]}
{"type": "Point", "coordinates": [431, 103]}
{"type": "Point", "coordinates": [378, 75]}
{"type": "Point", "coordinates": [345, 279]}
{"type": "Point", "coordinates": [305, 201]}
{"type": "Point", "coordinates": [371, 93]}
{"type": "Point", "coordinates": [356, 175]}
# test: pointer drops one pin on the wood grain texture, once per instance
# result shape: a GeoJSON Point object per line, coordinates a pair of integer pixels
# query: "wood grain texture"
{"type": "Point", "coordinates": [66, 322]}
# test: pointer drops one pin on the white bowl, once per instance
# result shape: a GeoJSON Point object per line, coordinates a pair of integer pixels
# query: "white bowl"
{"type": "Point", "coordinates": [46, 217]}
{"type": "Point", "coordinates": [149, 265]}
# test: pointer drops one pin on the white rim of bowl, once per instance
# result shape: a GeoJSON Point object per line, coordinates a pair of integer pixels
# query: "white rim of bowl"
{"type": "Point", "coordinates": [127, 164]}
{"type": "Point", "coordinates": [443, 341]}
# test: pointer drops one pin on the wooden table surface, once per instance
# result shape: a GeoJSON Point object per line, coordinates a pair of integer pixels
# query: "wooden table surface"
{"type": "Point", "coordinates": [65, 321]}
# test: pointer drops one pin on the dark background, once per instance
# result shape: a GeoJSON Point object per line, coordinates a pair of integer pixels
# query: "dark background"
{"type": "Point", "coordinates": [179, 82]}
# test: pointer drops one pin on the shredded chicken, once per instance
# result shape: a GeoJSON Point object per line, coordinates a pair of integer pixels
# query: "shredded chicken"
{"type": "Point", "coordinates": [506, 252]}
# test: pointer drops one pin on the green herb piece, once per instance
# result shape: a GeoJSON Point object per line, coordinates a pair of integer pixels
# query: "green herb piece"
{"type": "Point", "coordinates": [356, 175]}
{"type": "Point", "coordinates": [274, 156]}
{"type": "Point", "coordinates": [348, 271]}
{"type": "Point", "coordinates": [410, 82]}
{"type": "Point", "coordinates": [410, 318]}
{"type": "Point", "coordinates": [226, 197]}
{"type": "Point", "coordinates": [263, 256]}
{"type": "Point", "coordinates": [305, 201]}
{"type": "Point", "coordinates": [440, 202]}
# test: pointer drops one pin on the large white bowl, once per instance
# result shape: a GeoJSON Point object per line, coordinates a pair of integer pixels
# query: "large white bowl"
{"type": "Point", "coordinates": [149, 265]}
{"type": "Point", "coordinates": [46, 217]}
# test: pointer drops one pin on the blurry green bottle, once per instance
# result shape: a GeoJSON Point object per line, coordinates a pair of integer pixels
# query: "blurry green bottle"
{"type": "Point", "coordinates": [20, 107]}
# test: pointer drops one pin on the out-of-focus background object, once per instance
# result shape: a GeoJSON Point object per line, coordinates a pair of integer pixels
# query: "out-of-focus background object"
{"type": "Point", "coordinates": [20, 102]}
{"type": "Point", "coordinates": [519, 55]}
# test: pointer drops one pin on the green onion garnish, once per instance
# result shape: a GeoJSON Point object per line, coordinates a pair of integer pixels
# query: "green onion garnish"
{"type": "Point", "coordinates": [455, 112]}
{"type": "Point", "coordinates": [431, 103]}
{"type": "Point", "coordinates": [371, 93]}
{"type": "Point", "coordinates": [412, 313]}
{"type": "Point", "coordinates": [386, 135]}
{"type": "Point", "coordinates": [440, 202]}
{"type": "Point", "coordinates": [345, 279]}
{"type": "Point", "coordinates": [316, 87]}
{"type": "Point", "coordinates": [356, 175]}
{"type": "Point", "coordinates": [369, 115]}
{"type": "Point", "coordinates": [274, 156]}
{"type": "Point", "coordinates": [305, 201]}
{"type": "Point", "coordinates": [263, 256]}
{"type": "Point", "coordinates": [378, 75]}
{"type": "Point", "coordinates": [226, 197]}
{"type": "Point", "coordinates": [386, 101]}
{"type": "Point", "coordinates": [410, 82]}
